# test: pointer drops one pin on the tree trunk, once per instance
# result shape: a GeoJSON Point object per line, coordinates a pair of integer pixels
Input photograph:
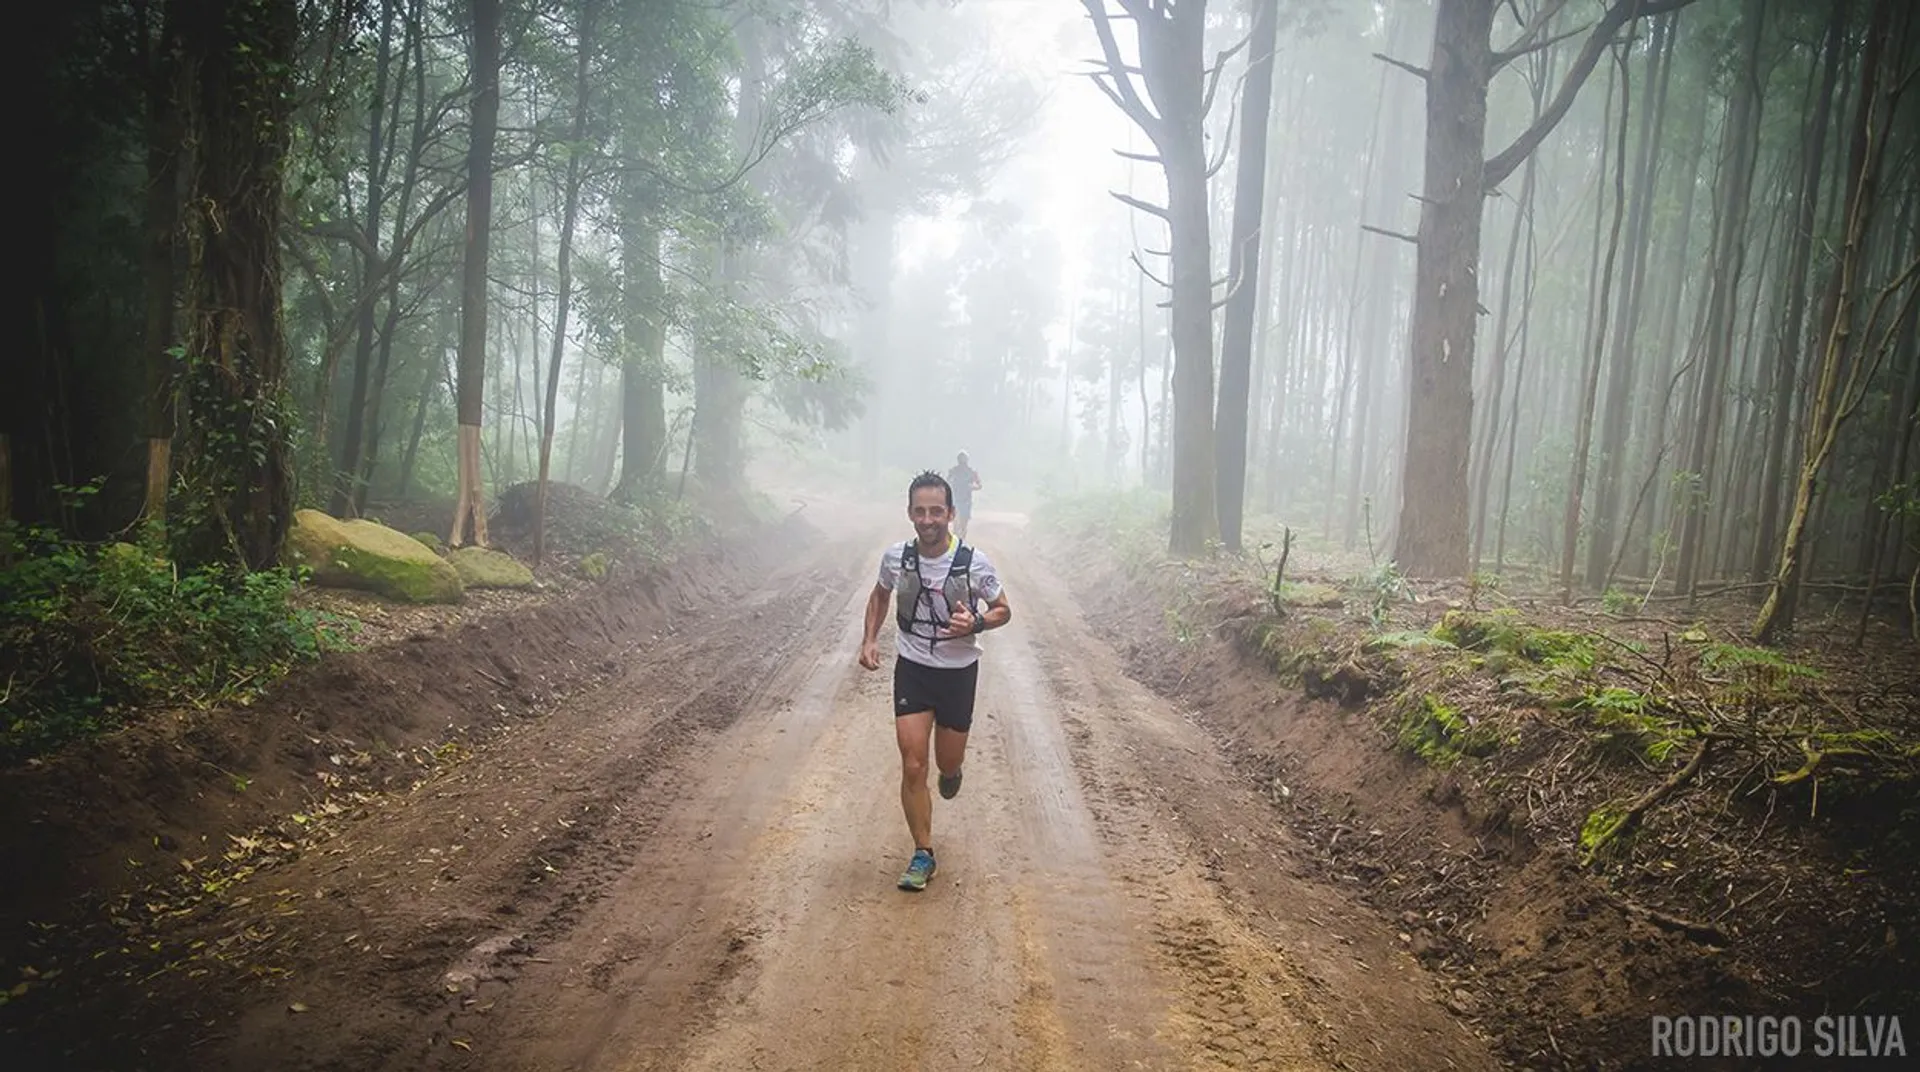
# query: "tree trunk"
{"type": "Point", "coordinates": [165, 146]}
{"type": "Point", "coordinates": [427, 380]}
{"type": "Point", "coordinates": [1833, 402]}
{"type": "Point", "coordinates": [569, 217]}
{"type": "Point", "coordinates": [1522, 225]}
{"type": "Point", "coordinates": [1434, 494]}
{"type": "Point", "coordinates": [1172, 66]}
{"type": "Point", "coordinates": [1616, 421]}
{"type": "Point", "coordinates": [1236, 353]}
{"type": "Point", "coordinates": [241, 55]}
{"type": "Point", "coordinates": [1583, 430]}
{"type": "Point", "coordinates": [1435, 490]}
{"type": "Point", "coordinates": [365, 326]}
{"type": "Point", "coordinates": [1665, 377]}
{"type": "Point", "coordinates": [643, 400]}
{"type": "Point", "coordinates": [402, 220]}
{"type": "Point", "coordinates": [720, 389]}
{"type": "Point", "coordinates": [1729, 248]}
{"type": "Point", "coordinates": [470, 511]}
{"type": "Point", "coordinates": [1788, 342]}
{"type": "Point", "coordinates": [1885, 555]}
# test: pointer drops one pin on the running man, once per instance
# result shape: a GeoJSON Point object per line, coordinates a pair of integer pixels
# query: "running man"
{"type": "Point", "coordinates": [963, 479]}
{"type": "Point", "coordinates": [935, 582]}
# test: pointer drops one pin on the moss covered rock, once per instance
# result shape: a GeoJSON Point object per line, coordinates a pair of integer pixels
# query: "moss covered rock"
{"type": "Point", "coordinates": [483, 567]}
{"type": "Point", "coordinates": [371, 557]}
{"type": "Point", "coordinates": [431, 542]}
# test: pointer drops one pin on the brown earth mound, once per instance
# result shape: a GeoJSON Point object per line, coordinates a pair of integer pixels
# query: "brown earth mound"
{"type": "Point", "coordinates": [1735, 895]}
{"type": "Point", "coordinates": [115, 813]}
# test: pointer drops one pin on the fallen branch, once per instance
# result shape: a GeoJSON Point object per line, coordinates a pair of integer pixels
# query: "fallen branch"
{"type": "Point", "coordinates": [1630, 820]}
{"type": "Point", "coordinates": [1699, 932]}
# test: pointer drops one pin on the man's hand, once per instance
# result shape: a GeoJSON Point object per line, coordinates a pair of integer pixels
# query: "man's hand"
{"type": "Point", "coordinates": [870, 654]}
{"type": "Point", "coordinates": [961, 623]}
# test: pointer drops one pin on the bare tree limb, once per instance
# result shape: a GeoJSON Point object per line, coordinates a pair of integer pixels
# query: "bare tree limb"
{"type": "Point", "coordinates": [1122, 91]}
{"type": "Point", "coordinates": [1622, 12]}
{"type": "Point", "coordinates": [1226, 141]}
{"type": "Point", "coordinates": [1861, 375]}
{"type": "Point", "coordinates": [1532, 30]}
{"type": "Point", "coordinates": [1144, 270]}
{"type": "Point", "coordinates": [1100, 82]}
{"type": "Point", "coordinates": [1233, 285]}
{"type": "Point", "coordinates": [1144, 206]}
{"type": "Point", "coordinates": [1213, 75]}
{"type": "Point", "coordinates": [1407, 238]}
{"type": "Point", "coordinates": [1102, 64]}
{"type": "Point", "coordinates": [1418, 72]}
{"type": "Point", "coordinates": [1504, 56]}
{"type": "Point", "coordinates": [1145, 158]}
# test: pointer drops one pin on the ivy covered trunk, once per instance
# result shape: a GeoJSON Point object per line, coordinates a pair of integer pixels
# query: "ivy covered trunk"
{"type": "Point", "coordinates": [235, 500]}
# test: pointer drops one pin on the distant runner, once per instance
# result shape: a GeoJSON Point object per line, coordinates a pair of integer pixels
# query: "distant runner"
{"type": "Point", "coordinates": [936, 583]}
{"type": "Point", "coordinates": [964, 479]}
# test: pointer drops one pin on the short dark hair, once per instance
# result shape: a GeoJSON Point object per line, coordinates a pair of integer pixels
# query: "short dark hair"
{"type": "Point", "coordinates": [930, 479]}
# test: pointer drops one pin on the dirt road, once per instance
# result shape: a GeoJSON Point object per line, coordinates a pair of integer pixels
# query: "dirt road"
{"type": "Point", "coordinates": [695, 868]}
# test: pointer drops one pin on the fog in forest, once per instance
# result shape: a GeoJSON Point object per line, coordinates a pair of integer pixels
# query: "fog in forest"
{"type": "Point", "coordinates": [1608, 298]}
{"type": "Point", "coordinates": [1446, 469]}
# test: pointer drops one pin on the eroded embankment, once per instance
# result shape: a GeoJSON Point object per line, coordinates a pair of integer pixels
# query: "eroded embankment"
{"type": "Point", "coordinates": [161, 800]}
{"type": "Point", "coordinates": [1578, 825]}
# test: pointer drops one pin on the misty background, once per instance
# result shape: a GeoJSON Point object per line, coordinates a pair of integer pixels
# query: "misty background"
{"type": "Point", "coordinates": [1604, 297]}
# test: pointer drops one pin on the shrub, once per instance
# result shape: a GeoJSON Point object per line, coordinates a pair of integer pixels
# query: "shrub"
{"type": "Point", "coordinates": [90, 635]}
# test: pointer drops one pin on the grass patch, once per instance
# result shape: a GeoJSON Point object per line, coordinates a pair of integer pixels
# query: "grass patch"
{"type": "Point", "coordinates": [1503, 633]}
{"type": "Point", "coordinates": [1441, 734]}
{"type": "Point", "coordinates": [1627, 726]}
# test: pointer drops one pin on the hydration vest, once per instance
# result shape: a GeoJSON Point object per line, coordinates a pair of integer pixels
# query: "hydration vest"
{"type": "Point", "coordinates": [914, 606]}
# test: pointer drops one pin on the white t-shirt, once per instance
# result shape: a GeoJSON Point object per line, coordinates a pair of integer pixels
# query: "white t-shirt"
{"type": "Point", "coordinates": [950, 652]}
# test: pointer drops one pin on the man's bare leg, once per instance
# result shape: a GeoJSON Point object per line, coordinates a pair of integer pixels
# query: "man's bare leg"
{"type": "Point", "coordinates": [949, 750]}
{"type": "Point", "coordinates": [912, 732]}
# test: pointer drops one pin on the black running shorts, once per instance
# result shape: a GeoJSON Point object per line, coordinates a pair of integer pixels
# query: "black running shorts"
{"type": "Point", "coordinates": [948, 693]}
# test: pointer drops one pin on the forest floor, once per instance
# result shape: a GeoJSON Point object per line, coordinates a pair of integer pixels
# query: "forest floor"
{"type": "Point", "coordinates": [653, 823]}
{"type": "Point", "coordinates": [1575, 818]}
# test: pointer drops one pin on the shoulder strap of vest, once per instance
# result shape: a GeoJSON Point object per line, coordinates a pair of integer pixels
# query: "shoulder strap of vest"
{"type": "Point", "coordinates": [909, 558]}
{"type": "Point", "coordinates": [962, 560]}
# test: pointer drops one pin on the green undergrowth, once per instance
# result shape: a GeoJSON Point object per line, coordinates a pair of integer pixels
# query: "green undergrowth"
{"type": "Point", "coordinates": [92, 634]}
{"type": "Point", "coordinates": [1492, 691]}
{"type": "Point", "coordinates": [1442, 734]}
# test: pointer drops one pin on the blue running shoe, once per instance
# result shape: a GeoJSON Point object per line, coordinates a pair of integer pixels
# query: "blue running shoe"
{"type": "Point", "coordinates": [918, 871]}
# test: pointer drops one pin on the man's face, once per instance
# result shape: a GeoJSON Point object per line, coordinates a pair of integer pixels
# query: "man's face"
{"type": "Point", "coordinates": [930, 514]}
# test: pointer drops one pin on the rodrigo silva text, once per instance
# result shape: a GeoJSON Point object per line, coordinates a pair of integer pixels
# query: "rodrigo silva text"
{"type": "Point", "coordinates": [1777, 1036]}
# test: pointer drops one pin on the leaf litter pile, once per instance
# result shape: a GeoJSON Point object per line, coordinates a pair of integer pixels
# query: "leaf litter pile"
{"type": "Point", "coordinates": [191, 927]}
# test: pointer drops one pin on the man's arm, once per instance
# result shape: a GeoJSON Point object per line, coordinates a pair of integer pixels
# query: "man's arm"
{"type": "Point", "coordinates": [877, 601]}
{"type": "Point", "coordinates": [998, 613]}
{"type": "Point", "coordinates": [965, 621]}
